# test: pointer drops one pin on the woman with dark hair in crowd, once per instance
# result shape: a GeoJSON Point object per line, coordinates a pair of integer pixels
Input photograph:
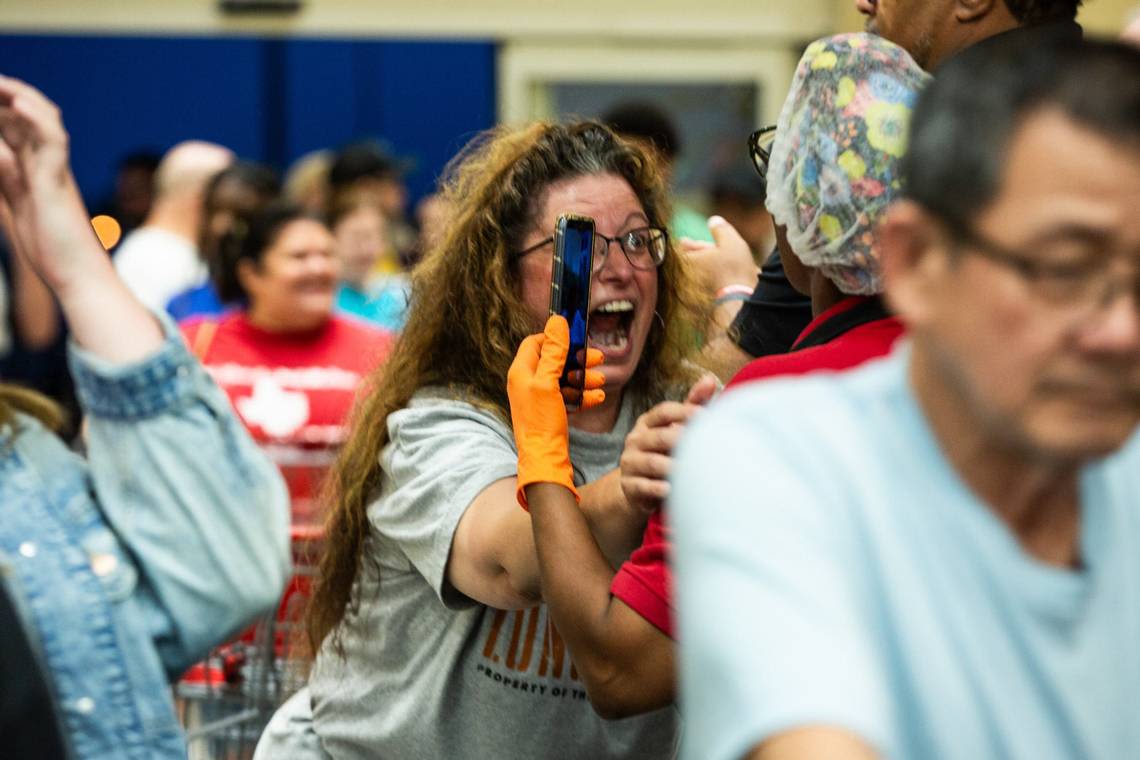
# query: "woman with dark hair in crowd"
{"type": "Point", "coordinates": [290, 366]}
{"type": "Point", "coordinates": [239, 190]}
{"type": "Point", "coordinates": [432, 638]}
{"type": "Point", "coordinates": [120, 569]}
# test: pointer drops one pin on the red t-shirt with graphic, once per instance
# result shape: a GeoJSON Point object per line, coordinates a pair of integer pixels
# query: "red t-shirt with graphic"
{"type": "Point", "coordinates": [293, 391]}
{"type": "Point", "coordinates": [644, 581]}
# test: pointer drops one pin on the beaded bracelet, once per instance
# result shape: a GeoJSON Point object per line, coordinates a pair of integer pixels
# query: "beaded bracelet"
{"type": "Point", "coordinates": [732, 293]}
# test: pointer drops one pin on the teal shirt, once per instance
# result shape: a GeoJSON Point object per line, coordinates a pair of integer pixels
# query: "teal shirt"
{"type": "Point", "coordinates": [833, 569]}
{"type": "Point", "coordinates": [386, 305]}
{"type": "Point", "coordinates": [689, 223]}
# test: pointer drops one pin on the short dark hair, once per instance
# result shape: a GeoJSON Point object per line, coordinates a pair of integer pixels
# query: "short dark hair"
{"type": "Point", "coordinates": [146, 160]}
{"type": "Point", "coordinates": [249, 238]}
{"type": "Point", "coordinates": [645, 121]}
{"type": "Point", "coordinates": [265, 184]}
{"type": "Point", "coordinates": [365, 159]}
{"type": "Point", "coordinates": [965, 119]}
{"type": "Point", "coordinates": [1029, 12]}
{"type": "Point", "coordinates": [259, 178]}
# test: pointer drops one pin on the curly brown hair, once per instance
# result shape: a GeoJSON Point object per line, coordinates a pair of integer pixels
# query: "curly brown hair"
{"type": "Point", "coordinates": [467, 319]}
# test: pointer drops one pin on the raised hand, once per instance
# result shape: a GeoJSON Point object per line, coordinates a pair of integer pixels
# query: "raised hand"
{"type": "Point", "coordinates": [48, 219]}
{"type": "Point", "coordinates": [648, 454]}
{"type": "Point", "coordinates": [726, 262]}
{"type": "Point", "coordinates": [50, 229]}
{"type": "Point", "coordinates": [538, 412]}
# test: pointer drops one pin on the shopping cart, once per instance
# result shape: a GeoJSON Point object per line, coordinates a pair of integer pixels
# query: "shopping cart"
{"type": "Point", "coordinates": [225, 701]}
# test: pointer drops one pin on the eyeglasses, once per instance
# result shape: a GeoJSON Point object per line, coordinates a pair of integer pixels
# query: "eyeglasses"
{"type": "Point", "coordinates": [760, 149]}
{"type": "Point", "coordinates": [643, 247]}
{"type": "Point", "coordinates": [1081, 286]}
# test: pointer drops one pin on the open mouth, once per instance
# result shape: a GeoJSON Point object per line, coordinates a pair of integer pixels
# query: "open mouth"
{"type": "Point", "coordinates": [609, 326]}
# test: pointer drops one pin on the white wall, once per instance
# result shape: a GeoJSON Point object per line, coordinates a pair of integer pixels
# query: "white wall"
{"type": "Point", "coordinates": [708, 19]}
{"type": "Point", "coordinates": [755, 41]}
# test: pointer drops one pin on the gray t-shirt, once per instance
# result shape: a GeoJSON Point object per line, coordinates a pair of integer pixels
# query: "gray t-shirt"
{"type": "Point", "coordinates": [430, 673]}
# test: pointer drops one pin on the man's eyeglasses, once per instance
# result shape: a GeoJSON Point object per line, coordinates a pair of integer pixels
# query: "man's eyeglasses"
{"type": "Point", "coordinates": [643, 247]}
{"type": "Point", "coordinates": [760, 149]}
{"type": "Point", "coordinates": [1086, 285]}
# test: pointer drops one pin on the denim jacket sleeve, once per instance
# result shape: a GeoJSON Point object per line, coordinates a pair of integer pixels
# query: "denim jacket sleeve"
{"type": "Point", "coordinates": [200, 509]}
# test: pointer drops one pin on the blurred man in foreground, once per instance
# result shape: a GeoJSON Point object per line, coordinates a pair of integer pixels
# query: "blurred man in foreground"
{"type": "Point", "coordinates": [941, 553]}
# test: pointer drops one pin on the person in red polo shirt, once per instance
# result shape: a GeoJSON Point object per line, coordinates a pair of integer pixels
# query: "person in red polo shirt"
{"type": "Point", "coordinates": [290, 365]}
{"type": "Point", "coordinates": [833, 169]}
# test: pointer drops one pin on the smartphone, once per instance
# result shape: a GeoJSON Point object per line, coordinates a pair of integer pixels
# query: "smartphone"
{"type": "Point", "coordinates": [570, 296]}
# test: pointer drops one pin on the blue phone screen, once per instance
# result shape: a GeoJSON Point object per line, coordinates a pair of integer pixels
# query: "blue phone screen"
{"type": "Point", "coordinates": [575, 286]}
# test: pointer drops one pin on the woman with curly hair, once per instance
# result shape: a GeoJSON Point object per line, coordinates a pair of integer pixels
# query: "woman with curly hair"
{"type": "Point", "coordinates": [433, 639]}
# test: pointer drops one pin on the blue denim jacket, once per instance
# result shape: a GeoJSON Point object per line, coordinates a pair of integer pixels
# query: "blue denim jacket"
{"type": "Point", "coordinates": [127, 566]}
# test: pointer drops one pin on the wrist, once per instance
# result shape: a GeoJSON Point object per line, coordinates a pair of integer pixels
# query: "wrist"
{"type": "Point", "coordinates": [87, 270]}
{"type": "Point", "coordinates": [551, 469]}
{"type": "Point", "coordinates": [66, 251]}
{"type": "Point", "coordinates": [542, 495]}
{"type": "Point", "coordinates": [735, 292]}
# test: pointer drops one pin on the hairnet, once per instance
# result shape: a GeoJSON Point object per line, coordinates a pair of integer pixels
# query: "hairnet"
{"type": "Point", "coordinates": [835, 162]}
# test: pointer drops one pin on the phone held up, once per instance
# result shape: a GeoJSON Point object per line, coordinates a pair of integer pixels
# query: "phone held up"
{"type": "Point", "coordinates": [570, 297]}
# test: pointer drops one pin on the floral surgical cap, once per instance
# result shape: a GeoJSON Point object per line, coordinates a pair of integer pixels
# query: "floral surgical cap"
{"type": "Point", "coordinates": [835, 162]}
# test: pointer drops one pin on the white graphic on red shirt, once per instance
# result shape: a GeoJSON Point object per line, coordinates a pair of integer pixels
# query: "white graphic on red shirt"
{"type": "Point", "coordinates": [273, 409]}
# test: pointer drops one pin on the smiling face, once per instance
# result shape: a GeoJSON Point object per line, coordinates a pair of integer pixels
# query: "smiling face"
{"type": "Point", "coordinates": [293, 286]}
{"type": "Point", "coordinates": [622, 299]}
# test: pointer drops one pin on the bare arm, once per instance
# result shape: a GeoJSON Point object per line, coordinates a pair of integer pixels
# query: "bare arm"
{"type": "Point", "coordinates": [34, 313]}
{"type": "Point", "coordinates": [727, 262]}
{"type": "Point", "coordinates": [814, 742]}
{"type": "Point", "coordinates": [625, 662]}
{"type": "Point", "coordinates": [493, 558]}
{"type": "Point", "coordinates": [720, 354]}
{"type": "Point", "coordinates": [51, 230]}
{"type": "Point", "coordinates": [615, 523]}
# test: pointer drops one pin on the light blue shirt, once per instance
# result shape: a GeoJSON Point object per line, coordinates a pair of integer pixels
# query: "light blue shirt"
{"type": "Point", "coordinates": [833, 569]}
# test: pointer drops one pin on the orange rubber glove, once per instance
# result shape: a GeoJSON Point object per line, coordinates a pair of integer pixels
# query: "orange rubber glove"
{"type": "Point", "coordinates": [538, 410]}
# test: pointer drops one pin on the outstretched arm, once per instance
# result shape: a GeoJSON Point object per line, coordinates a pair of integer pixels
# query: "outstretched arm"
{"type": "Point", "coordinates": [493, 557]}
{"type": "Point", "coordinates": [203, 515]}
{"type": "Point", "coordinates": [626, 663]}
